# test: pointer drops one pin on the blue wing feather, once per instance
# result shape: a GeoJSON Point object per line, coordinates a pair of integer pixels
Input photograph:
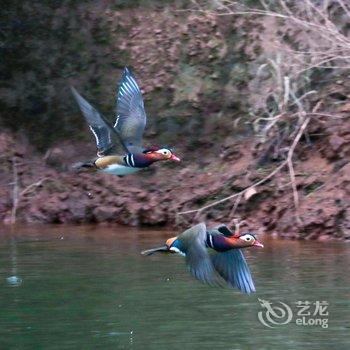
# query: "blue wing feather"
{"type": "Point", "coordinates": [97, 124]}
{"type": "Point", "coordinates": [130, 116]}
{"type": "Point", "coordinates": [197, 258]}
{"type": "Point", "coordinates": [233, 268]}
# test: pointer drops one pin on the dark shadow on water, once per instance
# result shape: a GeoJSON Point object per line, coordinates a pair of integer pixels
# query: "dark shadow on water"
{"type": "Point", "coordinates": [88, 287]}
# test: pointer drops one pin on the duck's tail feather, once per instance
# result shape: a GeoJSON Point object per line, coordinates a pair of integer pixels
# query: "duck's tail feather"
{"type": "Point", "coordinates": [163, 248]}
{"type": "Point", "coordinates": [83, 165]}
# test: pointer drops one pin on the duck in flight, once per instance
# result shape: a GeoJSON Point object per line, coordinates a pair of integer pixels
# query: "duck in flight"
{"type": "Point", "coordinates": [127, 129]}
{"type": "Point", "coordinates": [214, 255]}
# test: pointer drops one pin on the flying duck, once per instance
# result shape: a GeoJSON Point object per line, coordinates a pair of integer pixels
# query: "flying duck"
{"type": "Point", "coordinates": [127, 129]}
{"type": "Point", "coordinates": [213, 253]}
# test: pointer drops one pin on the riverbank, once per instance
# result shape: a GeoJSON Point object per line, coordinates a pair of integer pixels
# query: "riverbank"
{"type": "Point", "coordinates": [241, 97]}
{"type": "Point", "coordinates": [47, 191]}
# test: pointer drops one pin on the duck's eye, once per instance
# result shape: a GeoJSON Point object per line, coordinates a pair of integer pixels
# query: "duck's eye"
{"type": "Point", "coordinates": [247, 238]}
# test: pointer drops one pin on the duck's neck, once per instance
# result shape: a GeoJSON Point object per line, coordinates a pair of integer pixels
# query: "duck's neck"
{"type": "Point", "coordinates": [221, 243]}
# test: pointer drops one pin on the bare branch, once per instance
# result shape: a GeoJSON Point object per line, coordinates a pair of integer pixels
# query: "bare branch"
{"type": "Point", "coordinates": [16, 194]}
{"type": "Point", "coordinates": [265, 179]}
{"type": "Point", "coordinates": [15, 197]}
{"type": "Point", "coordinates": [33, 186]}
{"type": "Point", "coordinates": [284, 110]}
{"type": "Point", "coordinates": [291, 167]}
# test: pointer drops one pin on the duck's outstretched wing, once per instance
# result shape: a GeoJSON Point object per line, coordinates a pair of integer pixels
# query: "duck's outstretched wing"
{"type": "Point", "coordinates": [99, 126]}
{"type": "Point", "coordinates": [131, 116]}
{"type": "Point", "coordinates": [233, 268]}
{"type": "Point", "coordinates": [197, 257]}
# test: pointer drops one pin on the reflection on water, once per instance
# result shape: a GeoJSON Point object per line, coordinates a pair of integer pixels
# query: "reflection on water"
{"type": "Point", "coordinates": [89, 288]}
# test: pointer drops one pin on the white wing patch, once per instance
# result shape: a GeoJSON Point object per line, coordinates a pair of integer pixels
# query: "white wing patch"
{"type": "Point", "coordinates": [132, 82]}
{"type": "Point", "coordinates": [93, 131]}
{"type": "Point", "coordinates": [116, 121]}
{"type": "Point", "coordinates": [177, 250]}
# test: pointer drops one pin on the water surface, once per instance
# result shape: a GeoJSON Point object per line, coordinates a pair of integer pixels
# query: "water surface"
{"type": "Point", "coordinates": [89, 288]}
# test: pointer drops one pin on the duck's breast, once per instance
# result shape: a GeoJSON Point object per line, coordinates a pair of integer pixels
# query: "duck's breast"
{"type": "Point", "coordinates": [218, 243]}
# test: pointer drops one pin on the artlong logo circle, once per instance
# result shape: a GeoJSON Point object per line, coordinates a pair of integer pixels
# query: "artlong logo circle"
{"type": "Point", "coordinates": [274, 315]}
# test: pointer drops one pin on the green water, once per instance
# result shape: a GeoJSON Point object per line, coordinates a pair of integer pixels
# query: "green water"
{"type": "Point", "coordinates": [89, 288]}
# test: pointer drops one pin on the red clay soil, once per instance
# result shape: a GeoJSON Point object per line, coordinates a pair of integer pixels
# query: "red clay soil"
{"type": "Point", "coordinates": [49, 192]}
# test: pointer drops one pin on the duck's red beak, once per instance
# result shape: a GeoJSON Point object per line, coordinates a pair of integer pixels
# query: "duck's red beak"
{"type": "Point", "coordinates": [258, 244]}
{"type": "Point", "coordinates": [174, 158]}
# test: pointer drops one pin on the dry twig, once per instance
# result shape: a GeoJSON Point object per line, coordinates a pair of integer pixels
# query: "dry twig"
{"type": "Point", "coordinates": [15, 197]}
{"type": "Point", "coordinates": [33, 186]}
{"type": "Point", "coordinates": [16, 194]}
{"type": "Point", "coordinates": [287, 162]}
{"type": "Point", "coordinates": [291, 167]}
{"type": "Point", "coordinates": [325, 45]}
{"type": "Point", "coordinates": [324, 42]}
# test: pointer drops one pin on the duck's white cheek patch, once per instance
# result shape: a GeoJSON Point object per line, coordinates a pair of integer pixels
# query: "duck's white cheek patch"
{"type": "Point", "coordinates": [163, 151]}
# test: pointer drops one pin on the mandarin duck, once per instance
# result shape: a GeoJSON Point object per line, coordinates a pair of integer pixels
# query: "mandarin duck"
{"type": "Point", "coordinates": [127, 129]}
{"type": "Point", "coordinates": [226, 262]}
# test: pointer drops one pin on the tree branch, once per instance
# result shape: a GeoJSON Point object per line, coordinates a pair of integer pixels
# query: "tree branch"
{"type": "Point", "coordinates": [15, 197]}
{"type": "Point", "coordinates": [287, 162]}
